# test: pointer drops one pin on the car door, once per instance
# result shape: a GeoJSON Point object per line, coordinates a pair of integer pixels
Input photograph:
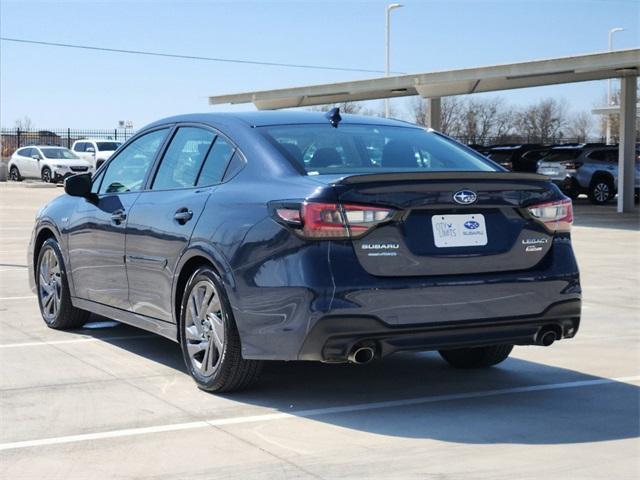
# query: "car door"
{"type": "Point", "coordinates": [612, 165]}
{"type": "Point", "coordinates": [96, 229]}
{"type": "Point", "coordinates": [164, 217]}
{"type": "Point", "coordinates": [35, 162]}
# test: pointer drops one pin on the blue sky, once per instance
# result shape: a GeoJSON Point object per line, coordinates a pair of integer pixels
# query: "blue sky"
{"type": "Point", "coordinates": [59, 87]}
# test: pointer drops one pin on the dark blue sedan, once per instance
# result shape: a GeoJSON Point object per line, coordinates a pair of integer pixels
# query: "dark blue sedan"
{"type": "Point", "coordinates": [308, 236]}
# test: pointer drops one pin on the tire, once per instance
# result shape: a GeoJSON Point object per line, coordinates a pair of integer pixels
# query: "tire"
{"type": "Point", "coordinates": [209, 337]}
{"type": "Point", "coordinates": [478, 357]}
{"type": "Point", "coordinates": [46, 175]}
{"type": "Point", "coordinates": [572, 194]}
{"type": "Point", "coordinates": [14, 174]}
{"type": "Point", "coordinates": [53, 290]}
{"type": "Point", "coordinates": [601, 190]}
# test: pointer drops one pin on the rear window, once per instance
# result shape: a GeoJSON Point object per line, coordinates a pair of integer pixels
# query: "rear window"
{"type": "Point", "coordinates": [322, 149]}
{"type": "Point", "coordinates": [559, 156]}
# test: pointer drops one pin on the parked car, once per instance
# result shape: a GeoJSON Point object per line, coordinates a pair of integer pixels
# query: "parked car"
{"type": "Point", "coordinates": [95, 151]}
{"type": "Point", "coordinates": [593, 171]}
{"type": "Point", "coordinates": [51, 164]}
{"type": "Point", "coordinates": [511, 156]}
{"type": "Point", "coordinates": [260, 236]}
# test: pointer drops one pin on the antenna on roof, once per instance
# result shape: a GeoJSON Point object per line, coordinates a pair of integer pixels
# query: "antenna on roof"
{"type": "Point", "coordinates": [334, 116]}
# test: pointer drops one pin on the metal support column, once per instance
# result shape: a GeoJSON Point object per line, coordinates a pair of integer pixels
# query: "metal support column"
{"type": "Point", "coordinates": [627, 149]}
{"type": "Point", "coordinates": [435, 114]}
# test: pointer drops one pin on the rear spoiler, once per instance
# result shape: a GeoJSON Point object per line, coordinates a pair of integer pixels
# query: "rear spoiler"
{"type": "Point", "coordinates": [408, 176]}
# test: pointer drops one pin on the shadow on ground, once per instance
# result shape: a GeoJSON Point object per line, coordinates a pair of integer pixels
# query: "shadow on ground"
{"type": "Point", "coordinates": [592, 413]}
{"type": "Point", "coordinates": [604, 216]}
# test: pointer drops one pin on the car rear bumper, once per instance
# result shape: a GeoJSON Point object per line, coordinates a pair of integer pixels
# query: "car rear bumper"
{"type": "Point", "coordinates": [333, 338]}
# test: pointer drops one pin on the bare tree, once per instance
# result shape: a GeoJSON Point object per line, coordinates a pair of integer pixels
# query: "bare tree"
{"type": "Point", "coordinates": [615, 119]}
{"type": "Point", "coordinates": [24, 123]}
{"type": "Point", "coordinates": [450, 114]}
{"type": "Point", "coordinates": [542, 121]}
{"type": "Point", "coordinates": [580, 126]}
{"type": "Point", "coordinates": [345, 107]}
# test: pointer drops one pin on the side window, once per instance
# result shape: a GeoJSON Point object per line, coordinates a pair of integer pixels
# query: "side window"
{"type": "Point", "coordinates": [127, 171]}
{"type": "Point", "coordinates": [79, 147]}
{"type": "Point", "coordinates": [235, 165]}
{"type": "Point", "coordinates": [599, 155]}
{"type": "Point", "coordinates": [25, 152]}
{"type": "Point", "coordinates": [215, 163]}
{"type": "Point", "coordinates": [183, 158]}
{"type": "Point", "coordinates": [95, 182]}
{"type": "Point", "coordinates": [612, 156]}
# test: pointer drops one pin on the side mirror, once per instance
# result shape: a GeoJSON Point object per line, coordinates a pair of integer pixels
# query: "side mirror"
{"type": "Point", "coordinates": [90, 150]}
{"type": "Point", "coordinates": [36, 157]}
{"type": "Point", "coordinates": [79, 186]}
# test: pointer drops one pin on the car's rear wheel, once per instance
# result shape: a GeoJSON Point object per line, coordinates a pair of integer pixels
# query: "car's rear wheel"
{"type": "Point", "coordinates": [46, 175]}
{"type": "Point", "coordinates": [14, 174]}
{"type": "Point", "coordinates": [601, 190]}
{"type": "Point", "coordinates": [53, 290]}
{"type": "Point", "coordinates": [477, 357]}
{"type": "Point", "coordinates": [209, 337]}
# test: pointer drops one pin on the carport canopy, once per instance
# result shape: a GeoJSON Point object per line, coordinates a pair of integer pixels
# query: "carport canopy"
{"type": "Point", "coordinates": [623, 64]}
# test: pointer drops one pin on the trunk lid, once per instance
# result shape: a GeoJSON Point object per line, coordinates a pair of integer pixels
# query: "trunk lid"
{"type": "Point", "coordinates": [433, 234]}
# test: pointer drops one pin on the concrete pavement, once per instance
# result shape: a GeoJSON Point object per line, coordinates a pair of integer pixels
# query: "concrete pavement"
{"type": "Point", "coordinates": [116, 402]}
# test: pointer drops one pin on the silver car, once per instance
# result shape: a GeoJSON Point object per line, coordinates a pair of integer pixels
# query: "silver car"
{"type": "Point", "coordinates": [593, 171]}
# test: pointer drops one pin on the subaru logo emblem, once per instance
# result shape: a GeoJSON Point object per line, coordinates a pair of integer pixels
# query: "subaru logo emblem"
{"type": "Point", "coordinates": [471, 225]}
{"type": "Point", "coordinates": [465, 197]}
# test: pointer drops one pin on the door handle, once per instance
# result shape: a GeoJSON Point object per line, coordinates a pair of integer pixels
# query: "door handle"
{"type": "Point", "coordinates": [118, 217]}
{"type": "Point", "coordinates": [183, 215]}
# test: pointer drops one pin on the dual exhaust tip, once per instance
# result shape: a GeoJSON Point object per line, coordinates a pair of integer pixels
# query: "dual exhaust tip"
{"type": "Point", "coordinates": [362, 354]}
{"type": "Point", "coordinates": [547, 335]}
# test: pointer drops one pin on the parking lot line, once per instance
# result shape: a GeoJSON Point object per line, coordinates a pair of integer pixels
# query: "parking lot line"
{"type": "Point", "coordinates": [219, 422]}
{"type": "Point", "coordinates": [18, 298]}
{"type": "Point", "coordinates": [75, 340]}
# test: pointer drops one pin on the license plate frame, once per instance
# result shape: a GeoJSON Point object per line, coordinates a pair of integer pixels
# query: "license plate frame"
{"type": "Point", "coordinates": [459, 230]}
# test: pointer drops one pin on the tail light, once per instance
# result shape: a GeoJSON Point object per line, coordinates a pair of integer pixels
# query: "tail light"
{"type": "Point", "coordinates": [572, 165]}
{"type": "Point", "coordinates": [316, 220]}
{"type": "Point", "coordinates": [557, 216]}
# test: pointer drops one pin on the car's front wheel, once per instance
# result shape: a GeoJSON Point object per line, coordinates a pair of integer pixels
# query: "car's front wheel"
{"type": "Point", "coordinates": [53, 290]}
{"type": "Point", "coordinates": [46, 175]}
{"type": "Point", "coordinates": [477, 357]}
{"type": "Point", "coordinates": [209, 337]}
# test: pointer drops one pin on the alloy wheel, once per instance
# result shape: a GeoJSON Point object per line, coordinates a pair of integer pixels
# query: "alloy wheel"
{"type": "Point", "coordinates": [601, 192]}
{"type": "Point", "coordinates": [204, 328]}
{"type": "Point", "coordinates": [49, 285]}
{"type": "Point", "coordinates": [13, 174]}
{"type": "Point", "coordinates": [46, 176]}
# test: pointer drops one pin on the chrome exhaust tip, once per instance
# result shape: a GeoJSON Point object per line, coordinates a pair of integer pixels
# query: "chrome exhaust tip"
{"type": "Point", "coordinates": [546, 336]}
{"type": "Point", "coordinates": [361, 355]}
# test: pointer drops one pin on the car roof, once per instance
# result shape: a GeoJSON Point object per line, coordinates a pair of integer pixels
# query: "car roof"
{"type": "Point", "coordinates": [44, 146]}
{"type": "Point", "coordinates": [97, 140]}
{"type": "Point", "coordinates": [280, 117]}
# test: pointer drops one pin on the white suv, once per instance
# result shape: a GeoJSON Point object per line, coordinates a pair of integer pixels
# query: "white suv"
{"type": "Point", "coordinates": [95, 151]}
{"type": "Point", "coordinates": [51, 164]}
